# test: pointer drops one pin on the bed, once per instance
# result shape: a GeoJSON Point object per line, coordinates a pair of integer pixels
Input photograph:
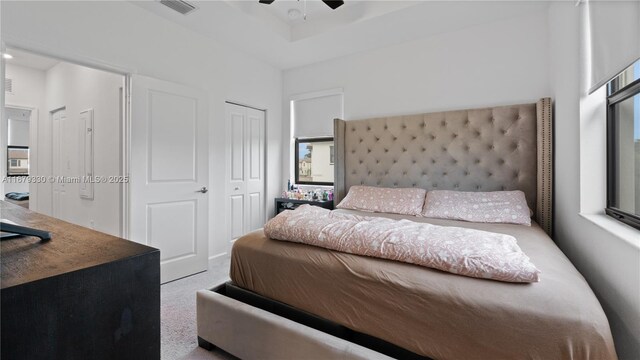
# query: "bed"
{"type": "Point", "coordinates": [429, 313]}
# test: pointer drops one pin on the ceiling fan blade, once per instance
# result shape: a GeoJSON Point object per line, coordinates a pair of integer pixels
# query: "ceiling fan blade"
{"type": "Point", "coordinates": [266, 1]}
{"type": "Point", "coordinates": [333, 4]}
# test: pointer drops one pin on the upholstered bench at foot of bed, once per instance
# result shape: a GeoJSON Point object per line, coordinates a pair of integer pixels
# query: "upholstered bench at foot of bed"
{"type": "Point", "coordinates": [252, 333]}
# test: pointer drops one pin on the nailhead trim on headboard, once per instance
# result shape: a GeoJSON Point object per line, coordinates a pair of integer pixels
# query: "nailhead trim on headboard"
{"type": "Point", "coordinates": [500, 148]}
{"type": "Point", "coordinates": [544, 210]}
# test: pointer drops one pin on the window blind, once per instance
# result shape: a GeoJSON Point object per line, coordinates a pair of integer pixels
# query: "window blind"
{"type": "Point", "coordinates": [613, 37]}
{"type": "Point", "coordinates": [314, 117]}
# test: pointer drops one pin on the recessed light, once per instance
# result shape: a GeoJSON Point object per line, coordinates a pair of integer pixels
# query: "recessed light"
{"type": "Point", "coordinates": [7, 56]}
{"type": "Point", "coordinates": [293, 14]}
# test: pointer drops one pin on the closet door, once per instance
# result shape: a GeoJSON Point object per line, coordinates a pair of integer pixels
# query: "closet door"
{"type": "Point", "coordinates": [61, 167]}
{"type": "Point", "coordinates": [244, 170]}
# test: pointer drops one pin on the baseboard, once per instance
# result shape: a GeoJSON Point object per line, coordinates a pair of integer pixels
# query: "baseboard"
{"type": "Point", "coordinates": [217, 256]}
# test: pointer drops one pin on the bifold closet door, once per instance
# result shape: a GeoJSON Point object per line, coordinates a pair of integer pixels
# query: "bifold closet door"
{"type": "Point", "coordinates": [245, 170]}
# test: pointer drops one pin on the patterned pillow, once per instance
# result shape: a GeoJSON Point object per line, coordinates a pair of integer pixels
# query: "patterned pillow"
{"type": "Point", "coordinates": [408, 201]}
{"type": "Point", "coordinates": [508, 207]}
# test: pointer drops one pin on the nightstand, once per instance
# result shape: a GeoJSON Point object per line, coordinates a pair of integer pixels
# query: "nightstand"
{"type": "Point", "coordinates": [282, 204]}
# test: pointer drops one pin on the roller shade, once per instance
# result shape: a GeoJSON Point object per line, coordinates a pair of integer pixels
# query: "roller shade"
{"type": "Point", "coordinates": [313, 117]}
{"type": "Point", "coordinates": [613, 37]}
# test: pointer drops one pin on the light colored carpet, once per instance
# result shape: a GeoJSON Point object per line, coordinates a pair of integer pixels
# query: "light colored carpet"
{"type": "Point", "coordinates": [178, 314]}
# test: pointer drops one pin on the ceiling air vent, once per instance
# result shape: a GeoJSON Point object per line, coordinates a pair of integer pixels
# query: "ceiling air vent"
{"type": "Point", "coordinates": [8, 85]}
{"type": "Point", "coordinates": [180, 6]}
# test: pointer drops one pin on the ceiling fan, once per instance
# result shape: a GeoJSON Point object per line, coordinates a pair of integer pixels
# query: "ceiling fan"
{"type": "Point", "coordinates": [332, 4]}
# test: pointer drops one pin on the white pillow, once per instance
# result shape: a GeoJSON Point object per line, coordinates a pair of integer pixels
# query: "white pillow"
{"type": "Point", "coordinates": [508, 207]}
{"type": "Point", "coordinates": [406, 201]}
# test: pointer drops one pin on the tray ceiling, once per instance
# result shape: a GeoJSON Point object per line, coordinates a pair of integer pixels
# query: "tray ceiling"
{"type": "Point", "coordinates": [268, 33]}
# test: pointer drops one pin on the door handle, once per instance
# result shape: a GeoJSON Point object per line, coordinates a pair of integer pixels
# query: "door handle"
{"type": "Point", "coordinates": [236, 188]}
{"type": "Point", "coordinates": [204, 190]}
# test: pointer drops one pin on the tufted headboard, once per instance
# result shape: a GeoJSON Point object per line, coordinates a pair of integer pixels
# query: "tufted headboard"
{"type": "Point", "coordinates": [498, 148]}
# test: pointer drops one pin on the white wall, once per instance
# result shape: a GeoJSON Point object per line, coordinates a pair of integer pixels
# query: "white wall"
{"type": "Point", "coordinates": [28, 86]}
{"type": "Point", "coordinates": [495, 63]}
{"type": "Point", "coordinates": [28, 91]}
{"type": "Point", "coordinates": [78, 88]}
{"type": "Point", "coordinates": [606, 252]}
{"type": "Point", "coordinates": [123, 35]}
{"type": "Point", "coordinates": [498, 63]}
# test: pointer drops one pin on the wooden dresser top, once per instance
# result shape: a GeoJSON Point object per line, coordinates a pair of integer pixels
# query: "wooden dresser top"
{"type": "Point", "coordinates": [72, 247]}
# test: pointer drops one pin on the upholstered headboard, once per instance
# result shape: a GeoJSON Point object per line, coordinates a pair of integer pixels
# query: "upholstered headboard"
{"type": "Point", "coordinates": [498, 148]}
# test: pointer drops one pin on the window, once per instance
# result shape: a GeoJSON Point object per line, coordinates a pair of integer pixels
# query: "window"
{"type": "Point", "coordinates": [314, 161]}
{"type": "Point", "coordinates": [623, 146]}
{"type": "Point", "coordinates": [17, 160]}
{"type": "Point", "coordinates": [312, 152]}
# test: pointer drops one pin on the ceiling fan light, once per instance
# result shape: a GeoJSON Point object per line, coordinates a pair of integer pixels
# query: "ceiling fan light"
{"type": "Point", "coordinates": [333, 4]}
{"type": "Point", "coordinates": [330, 3]}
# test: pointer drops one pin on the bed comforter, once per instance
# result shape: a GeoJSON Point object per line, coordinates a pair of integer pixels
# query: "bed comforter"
{"type": "Point", "coordinates": [430, 312]}
{"type": "Point", "coordinates": [457, 250]}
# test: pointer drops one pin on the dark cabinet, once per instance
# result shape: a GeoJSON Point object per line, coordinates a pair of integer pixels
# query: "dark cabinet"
{"type": "Point", "coordinates": [82, 295]}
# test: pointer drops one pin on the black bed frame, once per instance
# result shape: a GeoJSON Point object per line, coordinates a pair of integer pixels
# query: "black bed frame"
{"type": "Point", "coordinates": [229, 289]}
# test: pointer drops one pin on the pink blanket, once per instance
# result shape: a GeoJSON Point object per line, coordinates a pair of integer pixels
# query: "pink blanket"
{"type": "Point", "coordinates": [468, 252]}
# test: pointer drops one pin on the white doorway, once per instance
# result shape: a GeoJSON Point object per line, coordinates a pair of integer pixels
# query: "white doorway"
{"type": "Point", "coordinates": [20, 129]}
{"type": "Point", "coordinates": [71, 103]}
{"type": "Point", "coordinates": [169, 174]}
{"type": "Point", "coordinates": [149, 139]}
{"type": "Point", "coordinates": [245, 169]}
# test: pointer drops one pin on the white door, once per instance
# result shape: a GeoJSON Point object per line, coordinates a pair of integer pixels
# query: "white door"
{"type": "Point", "coordinates": [245, 170]}
{"type": "Point", "coordinates": [169, 174]}
{"type": "Point", "coordinates": [61, 162]}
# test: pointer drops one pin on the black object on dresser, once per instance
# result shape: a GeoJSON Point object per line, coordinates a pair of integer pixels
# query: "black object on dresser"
{"type": "Point", "coordinates": [282, 204]}
{"type": "Point", "coordinates": [81, 295]}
